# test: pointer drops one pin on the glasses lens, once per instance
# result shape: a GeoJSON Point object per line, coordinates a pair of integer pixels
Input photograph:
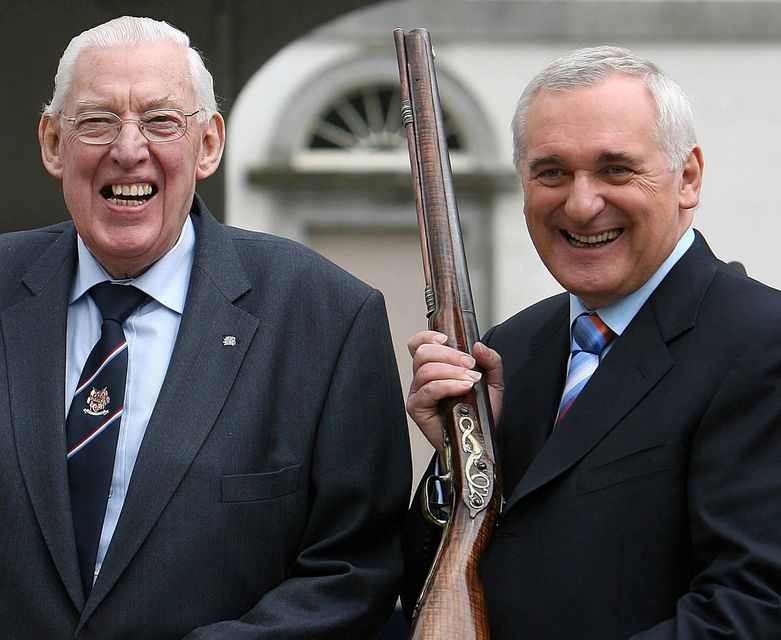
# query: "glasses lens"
{"type": "Point", "coordinates": [96, 127]}
{"type": "Point", "coordinates": [162, 125]}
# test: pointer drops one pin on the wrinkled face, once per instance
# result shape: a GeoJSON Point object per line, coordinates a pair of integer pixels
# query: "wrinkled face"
{"type": "Point", "coordinates": [128, 233]}
{"type": "Point", "coordinates": [602, 207]}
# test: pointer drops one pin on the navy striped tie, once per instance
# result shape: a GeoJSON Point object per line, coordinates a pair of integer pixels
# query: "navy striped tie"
{"type": "Point", "coordinates": [93, 422]}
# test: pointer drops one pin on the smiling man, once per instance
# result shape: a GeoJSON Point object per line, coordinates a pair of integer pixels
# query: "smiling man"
{"type": "Point", "coordinates": [639, 414]}
{"type": "Point", "coordinates": [129, 195]}
{"type": "Point", "coordinates": [176, 396]}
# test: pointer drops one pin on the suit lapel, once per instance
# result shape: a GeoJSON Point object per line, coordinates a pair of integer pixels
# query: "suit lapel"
{"type": "Point", "coordinates": [532, 400]}
{"type": "Point", "coordinates": [199, 378]}
{"type": "Point", "coordinates": [634, 365]}
{"type": "Point", "coordinates": [34, 336]}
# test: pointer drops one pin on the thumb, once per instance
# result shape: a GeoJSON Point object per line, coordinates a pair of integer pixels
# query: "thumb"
{"type": "Point", "coordinates": [491, 364]}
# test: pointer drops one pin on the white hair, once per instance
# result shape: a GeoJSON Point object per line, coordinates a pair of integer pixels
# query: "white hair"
{"type": "Point", "coordinates": [674, 126]}
{"type": "Point", "coordinates": [130, 31]}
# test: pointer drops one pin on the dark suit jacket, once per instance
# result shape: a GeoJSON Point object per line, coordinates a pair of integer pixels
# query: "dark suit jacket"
{"type": "Point", "coordinates": [272, 476]}
{"type": "Point", "coordinates": [653, 511]}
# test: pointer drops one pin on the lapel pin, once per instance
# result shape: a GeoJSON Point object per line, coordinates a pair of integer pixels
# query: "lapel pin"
{"type": "Point", "coordinates": [229, 341]}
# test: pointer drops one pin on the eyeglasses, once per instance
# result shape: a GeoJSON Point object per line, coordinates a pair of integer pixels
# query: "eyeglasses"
{"type": "Point", "coordinates": [156, 125]}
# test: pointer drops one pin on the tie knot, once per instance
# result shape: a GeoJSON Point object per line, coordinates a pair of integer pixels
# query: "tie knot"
{"type": "Point", "coordinates": [591, 334]}
{"type": "Point", "coordinates": [116, 301]}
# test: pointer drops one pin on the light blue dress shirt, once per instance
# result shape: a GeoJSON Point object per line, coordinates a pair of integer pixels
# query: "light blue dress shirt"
{"type": "Point", "coordinates": [150, 331]}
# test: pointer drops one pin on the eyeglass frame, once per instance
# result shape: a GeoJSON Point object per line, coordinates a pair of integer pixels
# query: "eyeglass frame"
{"type": "Point", "coordinates": [137, 121]}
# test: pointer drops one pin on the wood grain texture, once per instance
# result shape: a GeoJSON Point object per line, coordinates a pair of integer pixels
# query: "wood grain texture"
{"type": "Point", "coordinates": [452, 603]}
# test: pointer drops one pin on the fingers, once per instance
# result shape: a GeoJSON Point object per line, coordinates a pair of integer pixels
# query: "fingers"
{"type": "Point", "coordinates": [432, 382]}
{"type": "Point", "coordinates": [438, 372]}
{"type": "Point", "coordinates": [443, 369]}
{"type": "Point", "coordinates": [430, 346]}
{"type": "Point", "coordinates": [442, 372]}
{"type": "Point", "coordinates": [437, 381]}
{"type": "Point", "coordinates": [442, 362]}
{"type": "Point", "coordinates": [425, 337]}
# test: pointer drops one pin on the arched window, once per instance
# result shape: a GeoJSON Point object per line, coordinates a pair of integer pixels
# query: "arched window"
{"type": "Point", "coordinates": [368, 118]}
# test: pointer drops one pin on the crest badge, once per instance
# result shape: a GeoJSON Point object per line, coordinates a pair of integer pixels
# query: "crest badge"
{"type": "Point", "coordinates": [97, 401]}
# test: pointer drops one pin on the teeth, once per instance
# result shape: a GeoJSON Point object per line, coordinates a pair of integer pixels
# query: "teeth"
{"type": "Point", "coordinates": [131, 189]}
{"type": "Point", "coordinates": [127, 203]}
{"type": "Point", "coordinates": [594, 239]}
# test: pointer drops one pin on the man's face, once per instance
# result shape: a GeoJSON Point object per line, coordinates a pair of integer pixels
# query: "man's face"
{"type": "Point", "coordinates": [125, 233]}
{"type": "Point", "coordinates": [602, 207]}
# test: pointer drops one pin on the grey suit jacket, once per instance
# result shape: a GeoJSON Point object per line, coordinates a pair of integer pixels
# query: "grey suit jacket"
{"type": "Point", "coordinates": [653, 511]}
{"type": "Point", "coordinates": [266, 498]}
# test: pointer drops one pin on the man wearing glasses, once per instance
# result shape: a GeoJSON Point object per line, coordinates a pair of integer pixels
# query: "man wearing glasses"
{"type": "Point", "coordinates": [177, 396]}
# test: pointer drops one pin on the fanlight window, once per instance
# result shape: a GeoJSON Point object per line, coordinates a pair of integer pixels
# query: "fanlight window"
{"type": "Point", "coordinates": [368, 119]}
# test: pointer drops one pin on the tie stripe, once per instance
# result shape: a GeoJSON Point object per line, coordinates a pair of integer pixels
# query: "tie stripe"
{"type": "Point", "coordinates": [109, 357]}
{"type": "Point", "coordinates": [590, 335]}
{"type": "Point", "coordinates": [580, 372]}
{"type": "Point", "coordinates": [98, 430]}
{"type": "Point", "coordinates": [594, 336]}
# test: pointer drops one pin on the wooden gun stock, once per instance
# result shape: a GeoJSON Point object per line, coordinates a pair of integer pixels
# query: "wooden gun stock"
{"type": "Point", "coordinates": [451, 605]}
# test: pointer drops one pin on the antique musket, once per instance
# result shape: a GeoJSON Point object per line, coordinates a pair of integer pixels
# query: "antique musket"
{"type": "Point", "coordinates": [452, 604]}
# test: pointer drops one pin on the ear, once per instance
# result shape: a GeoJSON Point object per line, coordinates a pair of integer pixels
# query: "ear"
{"type": "Point", "coordinates": [691, 180]}
{"type": "Point", "coordinates": [212, 145]}
{"type": "Point", "coordinates": [49, 133]}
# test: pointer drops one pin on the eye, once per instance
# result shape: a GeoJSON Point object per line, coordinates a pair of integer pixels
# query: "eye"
{"type": "Point", "coordinates": [618, 173]}
{"type": "Point", "coordinates": [95, 120]}
{"type": "Point", "coordinates": [162, 125]}
{"type": "Point", "coordinates": [161, 121]}
{"type": "Point", "coordinates": [550, 176]}
{"type": "Point", "coordinates": [159, 118]}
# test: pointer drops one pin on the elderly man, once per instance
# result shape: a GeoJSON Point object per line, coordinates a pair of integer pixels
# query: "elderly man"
{"type": "Point", "coordinates": [177, 397]}
{"type": "Point", "coordinates": [639, 414]}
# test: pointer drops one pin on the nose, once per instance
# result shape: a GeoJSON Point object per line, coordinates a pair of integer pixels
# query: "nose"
{"type": "Point", "coordinates": [584, 200]}
{"type": "Point", "coordinates": [130, 146]}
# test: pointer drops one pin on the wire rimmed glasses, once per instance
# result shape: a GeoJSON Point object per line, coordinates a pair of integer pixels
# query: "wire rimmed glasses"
{"type": "Point", "coordinates": [156, 125]}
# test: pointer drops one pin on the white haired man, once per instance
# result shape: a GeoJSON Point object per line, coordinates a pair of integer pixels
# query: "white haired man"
{"type": "Point", "coordinates": [189, 474]}
{"type": "Point", "coordinates": [638, 413]}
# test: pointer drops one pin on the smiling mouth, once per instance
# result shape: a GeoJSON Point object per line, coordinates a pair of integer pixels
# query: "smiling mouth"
{"type": "Point", "coordinates": [595, 240]}
{"type": "Point", "coordinates": [128, 195]}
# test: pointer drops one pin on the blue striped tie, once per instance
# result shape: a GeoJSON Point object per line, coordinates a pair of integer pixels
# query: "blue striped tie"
{"type": "Point", "coordinates": [590, 335]}
{"type": "Point", "coordinates": [93, 421]}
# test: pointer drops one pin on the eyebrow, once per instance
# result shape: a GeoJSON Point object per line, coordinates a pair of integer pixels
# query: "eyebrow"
{"type": "Point", "coordinates": [544, 160]}
{"type": "Point", "coordinates": [92, 105]}
{"type": "Point", "coordinates": [607, 157]}
{"type": "Point", "coordinates": [103, 105]}
{"type": "Point", "coordinates": [158, 103]}
{"type": "Point", "coordinates": [625, 158]}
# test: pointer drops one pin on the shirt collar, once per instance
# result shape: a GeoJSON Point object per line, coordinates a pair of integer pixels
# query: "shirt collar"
{"type": "Point", "coordinates": [619, 314]}
{"type": "Point", "coordinates": [166, 280]}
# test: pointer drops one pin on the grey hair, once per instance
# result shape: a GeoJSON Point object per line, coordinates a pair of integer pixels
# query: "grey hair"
{"type": "Point", "coordinates": [674, 126]}
{"type": "Point", "coordinates": [129, 31]}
